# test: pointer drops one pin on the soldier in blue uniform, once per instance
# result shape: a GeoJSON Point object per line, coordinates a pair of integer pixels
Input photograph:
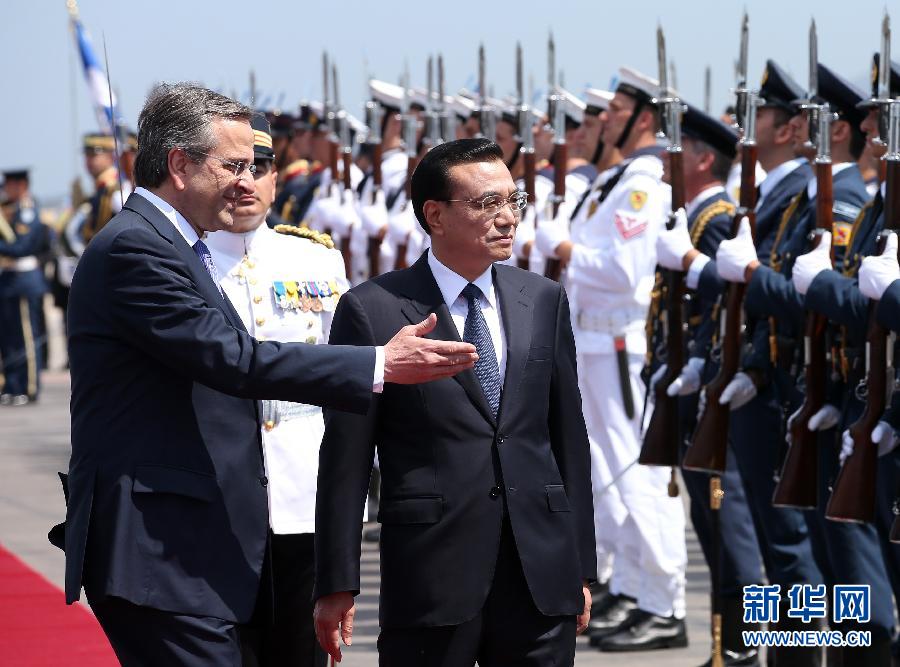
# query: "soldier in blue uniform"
{"type": "Point", "coordinates": [300, 176]}
{"type": "Point", "coordinates": [848, 553]}
{"type": "Point", "coordinates": [709, 149]}
{"type": "Point", "coordinates": [22, 238]}
{"type": "Point", "coordinates": [755, 427]}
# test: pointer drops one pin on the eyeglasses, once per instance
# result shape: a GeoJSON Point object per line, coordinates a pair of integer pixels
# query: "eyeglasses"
{"type": "Point", "coordinates": [493, 204]}
{"type": "Point", "coordinates": [236, 168]}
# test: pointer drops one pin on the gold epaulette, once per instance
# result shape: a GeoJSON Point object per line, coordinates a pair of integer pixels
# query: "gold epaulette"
{"type": "Point", "coordinates": [306, 233]}
{"type": "Point", "coordinates": [706, 215]}
{"type": "Point", "coordinates": [774, 256]}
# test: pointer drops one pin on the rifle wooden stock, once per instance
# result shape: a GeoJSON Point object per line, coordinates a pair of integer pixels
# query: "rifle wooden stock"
{"type": "Point", "coordinates": [400, 262]}
{"type": "Point", "coordinates": [347, 164]}
{"type": "Point", "coordinates": [373, 249]}
{"type": "Point", "coordinates": [798, 482]}
{"type": "Point", "coordinates": [709, 445]}
{"type": "Point", "coordinates": [529, 164]}
{"type": "Point", "coordinates": [553, 266]}
{"type": "Point", "coordinates": [853, 495]}
{"type": "Point", "coordinates": [661, 441]}
{"type": "Point", "coordinates": [345, 240]}
{"type": "Point", "coordinates": [333, 162]}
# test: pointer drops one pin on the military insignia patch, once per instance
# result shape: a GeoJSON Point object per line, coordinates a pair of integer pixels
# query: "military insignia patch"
{"type": "Point", "coordinates": [630, 226]}
{"type": "Point", "coordinates": [21, 229]}
{"type": "Point", "coordinates": [840, 235]}
{"type": "Point", "coordinates": [637, 199]}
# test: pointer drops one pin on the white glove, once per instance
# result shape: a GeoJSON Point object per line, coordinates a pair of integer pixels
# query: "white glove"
{"type": "Point", "coordinates": [808, 266]}
{"type": "Point", "coordinates": [550, 233]}
{"type": "Point", "coordinates": [734, 255]}
{"type": "Point", "coordinates": [673, 244]}
{"type": "Point", "coordinates": [401, 224]}
{"type": "Point", "coordinates": [688, 381]}
{"type": "Point", "coordinates": [654, 379]}
{"type": "Point", "coordinates": [826, 417]}
{"type": "Point", "coordinates": [324, 209]}
{"type": "Point", "coordinates": [883, 435]}
{"type": "Point", "coordinates": [346, 216]}
{"type": "Point", "coordinates": [877, 272]}
{"type": "Point", "coordinates": [374, 215]}
{"type": "Point", "coordinates": [739, 391]}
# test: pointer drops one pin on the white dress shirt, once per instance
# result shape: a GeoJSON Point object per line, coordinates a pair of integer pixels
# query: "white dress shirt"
{"type": "Point", "coordinates": [190, 235]}
{"type": "Point", "coordinates": [452, 284]}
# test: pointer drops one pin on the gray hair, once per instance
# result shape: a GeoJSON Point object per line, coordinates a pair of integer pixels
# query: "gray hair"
{"type": "Point", "coordinates": [178, 115]}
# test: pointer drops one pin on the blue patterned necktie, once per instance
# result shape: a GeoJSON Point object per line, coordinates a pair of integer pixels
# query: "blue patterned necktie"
{"type": "Point", "coordinates": [206, 257]}
{"type": "Point", "coordinates": [477, 333]}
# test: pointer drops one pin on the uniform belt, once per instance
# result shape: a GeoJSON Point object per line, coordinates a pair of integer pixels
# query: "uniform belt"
{"type": "Point", "coordinates": [614, 321]}
{"type": "Point", "coordinates": [277, 412]}
{"type": "Point", "coordinates": [19, 263]}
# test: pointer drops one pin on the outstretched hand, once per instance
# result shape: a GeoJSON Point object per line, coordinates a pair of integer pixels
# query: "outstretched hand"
{"type": "Point", "coordinates": [411, 359]}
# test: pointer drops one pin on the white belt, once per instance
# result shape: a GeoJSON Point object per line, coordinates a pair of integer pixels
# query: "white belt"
{"type": "Point", "coordinates": [19, 264]}
{"type": "Point", "coordinates": [276, 412]}
{"type": "Point", "coordinates": [613, 321]}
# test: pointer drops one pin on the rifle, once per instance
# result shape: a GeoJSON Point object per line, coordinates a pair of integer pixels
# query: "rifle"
{"type": "Point", "coordinates": [661, 441]}
{"type": "Point", "coordinates": [853, 496]}
{"type": "Point", "coordinates": [330, 121]}
{"type": "Point", "coordinates": [556, 111]}
{"type": "Point", "coordinates": [709, 443]}
{"type": "Point", "coordinates": [408, 126]}
{"type": "Point", "coordinates": [374, 114]}
{"type": "Point", "coordinates": [487, 115]}
{"type": "Point", "coordinates": [432, 134]}
{"type": "Point", "coordinates": [797, 484]}
{"type": "Point", "coordinates": [526, 138]}
{"type": "Point", "coordinates": [447, 115]}
{"type": "Point", "coordinates": [343, 146]}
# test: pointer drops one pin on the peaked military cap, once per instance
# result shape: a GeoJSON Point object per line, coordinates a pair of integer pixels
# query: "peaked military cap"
{"type": "Point", "coordinates": [15, 175]}
{"type": "Point", "coordinates": [280, 122]}
{"type": "Point", "coordinates": [841, 95]}
{"type": "Point", "coordinates": [596, 100]}
{"type": "Point", "coordinates": [262, 137]}
{"type": "Point", "coordinates": [778, 89]}
{"type": "Point", "coordinates": [701, 126]}
{"type": "Point", "coordinates": [639, 86]}
{"type": "Point", "coordinates": [893, 84]}
{"type": "Point", "coordinates": [99, 142]}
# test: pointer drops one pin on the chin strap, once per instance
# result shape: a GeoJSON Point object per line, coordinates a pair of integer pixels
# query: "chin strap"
{"type": "Point", "coordinates": [638, 107]}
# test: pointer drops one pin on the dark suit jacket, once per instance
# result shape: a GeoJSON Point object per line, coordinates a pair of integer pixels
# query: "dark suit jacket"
{"type": "Point", "coordinates": [167, 500]}
{"type": "Point", "coordinates": [446, 463]}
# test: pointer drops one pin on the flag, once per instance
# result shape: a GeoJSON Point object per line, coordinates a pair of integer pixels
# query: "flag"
{"type": "Point", "coordinates": [101, 96]}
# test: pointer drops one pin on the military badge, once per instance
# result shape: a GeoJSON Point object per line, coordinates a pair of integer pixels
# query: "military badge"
{"type": "Point", "coordinates": [630, 226]}
{"type": "Point", "coordinates": [637, 199]}
{"type": "Point", "coordinates": [840, 235]}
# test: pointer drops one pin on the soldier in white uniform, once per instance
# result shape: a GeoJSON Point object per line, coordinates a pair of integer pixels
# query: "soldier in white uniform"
{"type": "Point", "coordinates": [284, 283]}
{"type": "Point", "coordinates": [611, 259]}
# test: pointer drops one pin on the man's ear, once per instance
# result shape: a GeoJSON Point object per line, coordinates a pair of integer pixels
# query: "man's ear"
{"type": "Point", "coordinates": [784, 134]}
{"type": "Point", "coordinates": [706, 161]}
{"type": "Point", "coordinates": [178, 162]}
{"type": "Point", "coordinates": [840, 132]}
{"type": "Point", "coordinates": [432, 210]}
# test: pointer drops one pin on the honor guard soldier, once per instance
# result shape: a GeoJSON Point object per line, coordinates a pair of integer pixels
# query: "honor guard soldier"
{"type": "Point", "coordinates": [611, 261]}
{"type": "Point", "coordinates": [846, 553]}
{"type": "Point", "coordinates": [22, 286]}
{"type": "Point", "coordinates": [757, 420]}
{"type": "Point", "coordinates": [709, 147]}
{"type": "Point", "coordinates": [299, 175]}
{"type": "Point", "coordinates": [284, 283]}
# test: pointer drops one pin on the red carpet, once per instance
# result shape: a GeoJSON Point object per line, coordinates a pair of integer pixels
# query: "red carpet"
{"type": "Point", "coordinates": [36, 626]}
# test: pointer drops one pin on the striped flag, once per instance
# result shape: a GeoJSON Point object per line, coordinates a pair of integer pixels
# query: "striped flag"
{"type": "Point", "coordinates": [101, 96]}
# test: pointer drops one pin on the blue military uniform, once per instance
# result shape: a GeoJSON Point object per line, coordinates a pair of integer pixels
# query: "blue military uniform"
{"type": "Point", "coordinates": [22, 285]}
{"type": "Point", "coordinates": [848, 553]}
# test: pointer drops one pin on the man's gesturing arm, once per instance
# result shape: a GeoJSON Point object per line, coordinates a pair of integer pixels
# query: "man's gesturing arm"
{"type": "Point", "coordinates": [411, 359]}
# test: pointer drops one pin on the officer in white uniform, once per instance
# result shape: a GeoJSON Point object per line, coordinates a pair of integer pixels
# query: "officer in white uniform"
{"type": "Point", "coordinates": [285, 284]}
{"type": "Point", "coordinates": [611, 259]}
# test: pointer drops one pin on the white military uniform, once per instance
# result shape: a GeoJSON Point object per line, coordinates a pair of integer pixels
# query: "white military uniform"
{"type": "Point", "coordinates": [609, 280]}
{"type": "Point", "coordinates": [260, 271]}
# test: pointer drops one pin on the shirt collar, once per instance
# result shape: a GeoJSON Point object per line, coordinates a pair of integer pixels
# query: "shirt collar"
{"type": "Point", "coordinates": [180, 222]}
{"type": "Point", "coordinates": [452, 284]}
{"type": "Point", "coordinates": [708, 193]}
{"type": "Point", "coordinates": [775, 176]}
{"type": "Point", "coordinates": [812, 187]}
{"type": "Point", "coordinates": [238, 244]}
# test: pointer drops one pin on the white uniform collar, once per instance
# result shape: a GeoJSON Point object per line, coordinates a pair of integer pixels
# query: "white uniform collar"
{"type": "Point", "coordinates": [775, 176]}
{"type": "Point", "coordinates": [452, 284]}
{"type": "Point", "coordinates": [812, 187]}
{"type": "Point", "coordinates": [180, 222]}
{"type": "Point", "coordinates": [709, 192]}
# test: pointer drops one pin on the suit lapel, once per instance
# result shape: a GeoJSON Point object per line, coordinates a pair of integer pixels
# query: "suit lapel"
{"type": "Point", "coordinates": [516, 309]}
{"type": "Point", "coordinates": [197, 269]}
{"type": "Point", "coordinates": [424, 297]}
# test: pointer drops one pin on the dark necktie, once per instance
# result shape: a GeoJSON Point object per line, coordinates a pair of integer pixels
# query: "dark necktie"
{"type": "Point", "coordinates": [477, 333]}
{"type": "Point", "coordinates": [206, 257]}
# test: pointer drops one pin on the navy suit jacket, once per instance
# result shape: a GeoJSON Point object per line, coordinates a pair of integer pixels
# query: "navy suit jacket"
{"type": "Point", "coordinates": [448, 467]}
{"type": "Point", "coordinates": [167, 503]}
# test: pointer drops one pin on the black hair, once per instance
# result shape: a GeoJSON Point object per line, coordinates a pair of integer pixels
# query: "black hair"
{"type": "Point", "coordinates": [431, 179]}
{"type": "Point", "coordinates": [857, 140]}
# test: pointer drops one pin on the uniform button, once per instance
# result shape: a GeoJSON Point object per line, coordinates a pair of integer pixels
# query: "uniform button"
{"type": "Point", "coordinates": [500, 439]}
{"type": "Point", "coordinates": [252, 281]}
{"type": "Point", "coordinates": [264, 480]}
{"type": "Point", "coordinates": [495, 492]}
{"type": "Point", "coordinates": [251, 264]}
{"type": "Point", "coordinates": [257, 299]}
{"type": "Point", "coordinates": [269, 425]}
{"type": "Point", "coordinates": [260, 321]}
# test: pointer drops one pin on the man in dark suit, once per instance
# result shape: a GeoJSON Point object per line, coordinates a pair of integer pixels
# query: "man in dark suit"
{"type": "Point", "coordinates": [487, 540]}
{"type": "Point", "coordinates": [167, 525]}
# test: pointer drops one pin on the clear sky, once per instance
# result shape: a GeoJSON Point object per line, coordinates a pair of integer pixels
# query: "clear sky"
{"type": "Point", "coordinates": [218, 42]}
